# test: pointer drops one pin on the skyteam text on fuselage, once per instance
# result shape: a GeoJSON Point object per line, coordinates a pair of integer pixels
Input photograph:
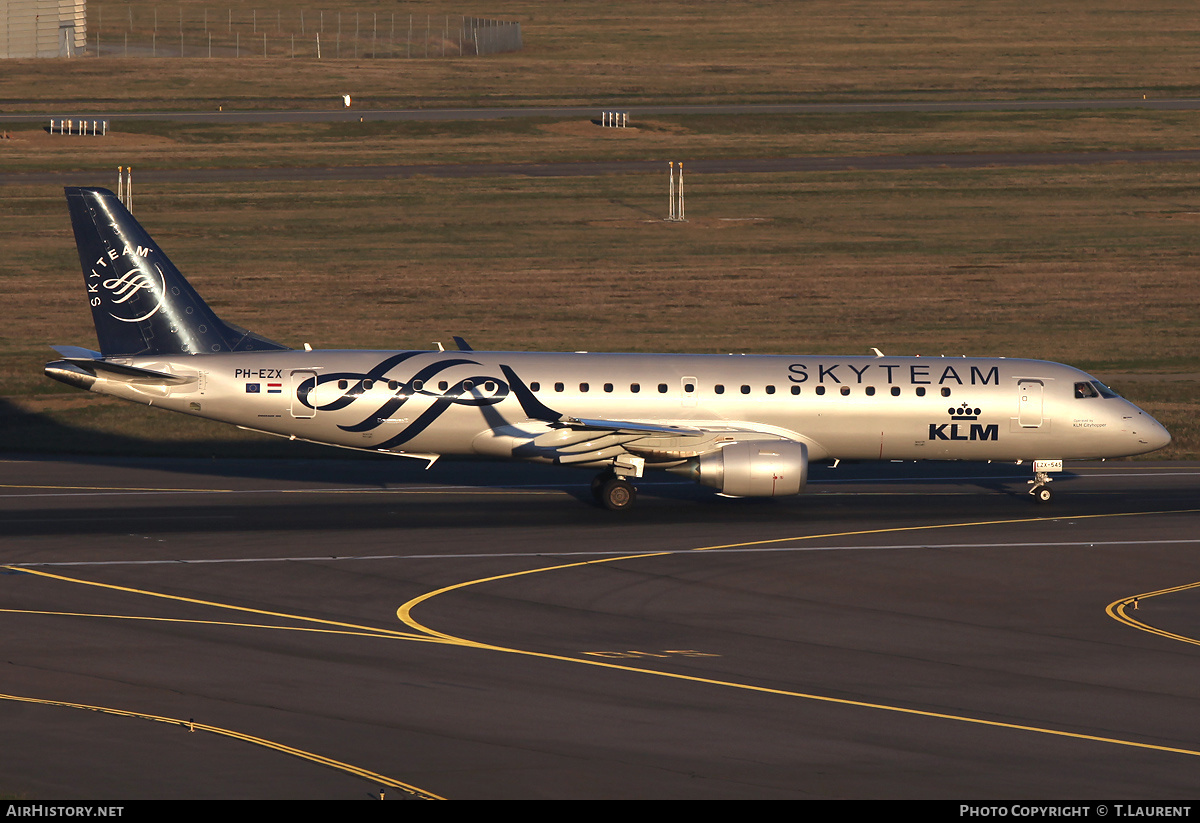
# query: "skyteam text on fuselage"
{"type": "Point", "coordinates": [744, 425]}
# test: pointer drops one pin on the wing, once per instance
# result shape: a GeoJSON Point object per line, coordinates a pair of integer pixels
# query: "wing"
{"type": "Point", "coordinates": [551, 436]}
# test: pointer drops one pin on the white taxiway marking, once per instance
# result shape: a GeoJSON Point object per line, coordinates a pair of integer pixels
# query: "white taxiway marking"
{"type": "Point", "coordinates": [1024, 544]}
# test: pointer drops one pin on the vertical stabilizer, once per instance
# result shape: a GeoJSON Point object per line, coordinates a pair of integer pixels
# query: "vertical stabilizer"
{"type": "Point", "coordinates": [140, 302]}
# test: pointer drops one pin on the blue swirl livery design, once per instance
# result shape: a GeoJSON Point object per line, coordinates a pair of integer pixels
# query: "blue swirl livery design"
{"type": "Point", "coordinates": [743, 426]}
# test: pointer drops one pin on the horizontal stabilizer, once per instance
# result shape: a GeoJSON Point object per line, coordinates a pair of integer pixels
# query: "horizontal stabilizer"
{"type": "Point", "coordinates": [95, 367]}
{"type": "Point", "coordinates": [77, 352]}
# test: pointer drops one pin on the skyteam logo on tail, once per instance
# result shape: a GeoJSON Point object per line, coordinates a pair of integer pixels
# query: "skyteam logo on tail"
{"type": "Point", "coordinates": [124, 289]}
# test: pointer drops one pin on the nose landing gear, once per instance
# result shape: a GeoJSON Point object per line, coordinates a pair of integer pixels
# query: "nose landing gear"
{"type": "Point", "coordinates": [1041, 478]}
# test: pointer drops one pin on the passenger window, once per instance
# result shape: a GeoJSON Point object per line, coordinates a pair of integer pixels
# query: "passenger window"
{"type": "Point", "coordinates": [719, 389]}
{"type": "Point", "coordinates": [770, 389]}
{"type": "Point", "coordinates": [418, 385]}
{"type": "Point", "coordinates": [608, 387]}
{"type": "Point", "coordinates": [367, 384]}
{"type": "Point", "coordinates": [845, 391]}
{"type": "Point", "coordinates": [342, 384]}
{"type": "Point", "coordinates": [634, 388]}
{"type": "Point", "coordinates": [558, 387]}
{"type": "Point", "coordinates": [490, 386]}
{"type": "Point", "coordinates": [662, 388]}
{"type": "Point", "coordinates": [920, 391]}
{"type": "Point", "coordinates": [688, 388]}
{"type": "Point", "coordinates": [583, 386]}
{"type": "Point", "coordinates": [895, 391]}
{"type": "Point", "coordinates": [534, 386]}
{"type": "Point", "coordinates": [820, 390]}
{"type": "Point", "coordinates": [745, 389]}
{"type": "Point", "coordinates": [443, 385]}
{"type": "Point", "coordinates": [870, 391]}
{"type": "Point", "coordinates": [945, 391]}
{"type": "Point", "coordinates": [795, 389]}
{"type": "Point", "coordinates": [393, 385]}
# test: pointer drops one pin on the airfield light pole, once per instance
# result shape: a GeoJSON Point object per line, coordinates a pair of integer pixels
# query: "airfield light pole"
{"type": "Point", "coordinates": [675, 209]}
{"type": "Point", "coordinates": [680, 210]}
{"type": "Point", "coordinates": [671, 190]}
{"type": "Point", "coordinates": [125, 186]}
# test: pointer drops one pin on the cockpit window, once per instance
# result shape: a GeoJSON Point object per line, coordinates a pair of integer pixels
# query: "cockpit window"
{"type": "Point", "coordinates": [1104, 390]}
{"type": "Point", "coordinates": [1085, 390]}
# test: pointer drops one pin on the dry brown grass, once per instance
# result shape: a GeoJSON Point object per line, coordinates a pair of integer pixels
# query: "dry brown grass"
{"type": "Point", "coordinates": [622, 53]}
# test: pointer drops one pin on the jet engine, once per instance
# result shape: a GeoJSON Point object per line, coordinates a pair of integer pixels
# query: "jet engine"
{"type": "Point", "coordinates": [756, 468]}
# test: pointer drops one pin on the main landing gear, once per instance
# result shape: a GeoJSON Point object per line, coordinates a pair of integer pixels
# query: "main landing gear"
{"type": "Point", "coordinates": [613, 492]}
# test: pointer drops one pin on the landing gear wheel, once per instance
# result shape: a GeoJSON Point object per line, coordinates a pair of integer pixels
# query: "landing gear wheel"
{"type": "Point", "coordinates": [1042, 495]}
{"type": "Point", "coordinates": [617, 494]}
{"type": "Point", "coordinates": [598, 485]}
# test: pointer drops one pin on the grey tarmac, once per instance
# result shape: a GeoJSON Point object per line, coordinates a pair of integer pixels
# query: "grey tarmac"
{"type": "Point", "coordinates": [773, 165]}
{"type": "Point", "coordinates": [479, 631]}
{"type": "Point", "coordinates": [746, 165]}
{"type": "Point", "coordinates": [33, 111]}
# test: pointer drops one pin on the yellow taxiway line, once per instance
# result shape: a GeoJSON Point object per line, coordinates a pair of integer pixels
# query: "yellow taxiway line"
{"type": "Point", "coordinates": [247, 738]}
{"type": "Point", "coordinates": [404, 613]}
{"type": "Point", "coordinates": [1118, 610]}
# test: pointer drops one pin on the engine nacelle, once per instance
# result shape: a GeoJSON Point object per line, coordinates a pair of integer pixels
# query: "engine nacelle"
{"type": "Point", "coordinates": [757, 468]}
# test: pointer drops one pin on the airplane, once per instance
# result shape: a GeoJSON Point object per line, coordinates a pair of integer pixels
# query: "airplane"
{"type": "Point", "coordinates": [745, 425]}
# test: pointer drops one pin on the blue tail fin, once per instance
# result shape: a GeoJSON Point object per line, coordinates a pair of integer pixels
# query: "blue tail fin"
{"type": "Point", "coordinates": [141, 304]}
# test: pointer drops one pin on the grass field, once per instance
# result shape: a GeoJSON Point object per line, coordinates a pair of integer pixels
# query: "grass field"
{"type": "Point", "coordinates": [582, 51]}
{"type": "Point", "coordinates": [1089, 265]}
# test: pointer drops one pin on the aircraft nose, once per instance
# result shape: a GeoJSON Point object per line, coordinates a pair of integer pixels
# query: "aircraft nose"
{"type": "Point", "coordinates": [1158, 436]}
{"type": "Point", "coordinates": [1149, 432]}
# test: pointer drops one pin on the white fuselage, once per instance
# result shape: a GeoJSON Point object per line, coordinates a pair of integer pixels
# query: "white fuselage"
{"type": "Point", "coordinates": [464, 403]}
